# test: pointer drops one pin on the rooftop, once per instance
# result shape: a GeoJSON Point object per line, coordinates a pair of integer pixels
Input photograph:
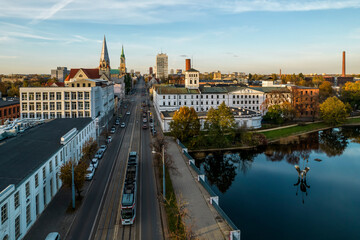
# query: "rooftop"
{"type": "Point", "coordinates": [25, 153]}
{"type": "Point", "coordinates": [8, 102]}
{"type": "Point", "coordinates": [236, 112]}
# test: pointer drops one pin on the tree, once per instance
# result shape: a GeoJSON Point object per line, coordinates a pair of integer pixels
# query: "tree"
{"type": "Point", "coordinates": [274, 114]}
{"type": "Point", "coordinates": [79, 175]}
{"type": "Point", "coordinates": [325, 90]}
{"type": "Point", "coordinates": [351, 93]}
{"type": "Point", "coordinates": [317, 80]}
{"type": "Point", "coordinates": [288, 110]}
{"type": "Point", "coordinates": [89, 149]}
{"type": "Point", "coordinates": [219, 124]}
{"type": "Point", "coordinates": [185, 123]}
{"type": "Point", "coordinates": [333, 111]}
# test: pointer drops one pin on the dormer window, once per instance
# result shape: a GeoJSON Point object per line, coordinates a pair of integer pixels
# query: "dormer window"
{"type": "Point", "coordinates": [80, 75]}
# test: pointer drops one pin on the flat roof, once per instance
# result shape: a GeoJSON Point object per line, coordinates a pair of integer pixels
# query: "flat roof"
{"type": "Point", "coordinates": [9, 102]}
{"type": "Point", "coordinates": [25, 153]}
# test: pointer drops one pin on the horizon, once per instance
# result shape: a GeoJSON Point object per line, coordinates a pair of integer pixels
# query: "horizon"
{"type": "Point", "coordinates": [258, 37]}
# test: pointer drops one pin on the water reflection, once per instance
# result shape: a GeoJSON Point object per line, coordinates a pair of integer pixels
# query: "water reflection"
{"type": "Point", "coordinates": [333, 142]}
{"type": "Point", "coordinates": [301, 181]}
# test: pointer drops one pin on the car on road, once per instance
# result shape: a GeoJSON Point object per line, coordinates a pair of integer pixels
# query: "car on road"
{"type": "Point", "coordinates": [95, 162]}
{"type": "Point", "coordinates": [112, 130]}
{"type": "Point", "coordinates": [117, 122]}
{"type": "Point", "coordinates": [122, 124]}
{"type": "Point", "coordinates": [151, 124]}
{"type": "Point", "coordinates": [99, 154]}
{"type": "Point", "coordinates": [53, 236]}
{"type": "Point", "coordinates": [128, 113]}
{"type": "Point", "coordinates": [103, 148]}
{"type": "Point", "coordinates": [109, 139]}
{"type": "Point", "coordinates": [144, 120]}
{"type": "Point", "coordinates": [145, 126]}
{"type": "Point", "coordinates": [90, 171]}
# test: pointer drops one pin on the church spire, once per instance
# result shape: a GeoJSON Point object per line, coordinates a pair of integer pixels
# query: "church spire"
{"type": "Point", "coordinates": [122, 52]}
{"type": "Point", "coordinates": [104, 58]}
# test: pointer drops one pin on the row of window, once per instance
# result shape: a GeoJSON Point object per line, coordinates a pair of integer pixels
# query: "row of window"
{"type": "Point", "coordinates": [208, 102]}
{"type": "Point", "coordinates": [8, 111]}
{"type": "Point", "coordinates": [38, 96]}
{"type": "Point", "coordinates": [53, 115]}
{"type": "Point", "coordinates": [196, 96]}
{"type": "Point", "coordinates": [245, 96]}
{"type": "Point", "coordinates": [46, 106]}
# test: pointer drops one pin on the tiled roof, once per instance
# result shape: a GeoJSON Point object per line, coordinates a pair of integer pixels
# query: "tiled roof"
{"type": "Point", "coordinates": [168, 89]}
{"type": "Point", "coordinates": [192, 70]}
{"type": "Point", "coordinates": [213, 89]}
{"type": "Point", "coordinates": [91, 73]}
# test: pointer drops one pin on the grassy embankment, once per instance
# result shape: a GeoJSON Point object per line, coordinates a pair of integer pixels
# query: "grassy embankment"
{"type": "Point", "coordinates": [272, 135]}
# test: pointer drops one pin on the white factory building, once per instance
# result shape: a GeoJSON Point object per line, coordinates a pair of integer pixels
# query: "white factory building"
{"type": "Point", "coordinates": [29, 176]}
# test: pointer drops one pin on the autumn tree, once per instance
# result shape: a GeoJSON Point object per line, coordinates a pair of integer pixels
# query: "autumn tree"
{"type": "Point", "coordinates": [79, 175]}
{"type": "Point", "coordinates": [351, 93]}
{"type": "Point", "coordinates": [317, 80]}
{"type": "Point", "coordinates": [185, 123]}
{"type": "Point", "coordinates": [219, 124]}
{"type": "Point", "coordinates": [333, 111]}
{"type": "Point", "coordinates": [89, 149]}
{"type": "Point", "coordinates": [325, 90]}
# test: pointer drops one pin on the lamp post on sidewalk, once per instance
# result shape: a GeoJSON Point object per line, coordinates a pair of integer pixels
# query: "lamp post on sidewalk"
{"type": "Point", "coordinates": [163, 161]}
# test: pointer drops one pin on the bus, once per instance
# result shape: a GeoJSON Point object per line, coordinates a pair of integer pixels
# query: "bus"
{"type": "Point", "coordinates": [128, 200]}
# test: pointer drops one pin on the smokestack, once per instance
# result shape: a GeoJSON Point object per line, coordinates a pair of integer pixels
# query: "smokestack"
{"type": "Point", "coordinates": [343, 65]}
{"type": "Point", "coordinates": [187, 64]}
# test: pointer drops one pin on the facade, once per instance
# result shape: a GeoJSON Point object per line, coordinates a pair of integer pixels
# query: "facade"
{"type": "Point", "coordinates": [59, 73]}
{"type": "Point", "coordinates": [9, 109]}
{"type": "Point", "coordinates": [162, 66]}
{"type": "Point", "coordinates": [243, 117]}
{"type": "Point", "coordinates": [217, 75]}
{"type": "Point", "coordinates": [81, 98]}
{"type": "Point", "coordinates": [305, 101]}
{"type": "Point", "coordinates": [122, 63]}
{"type": "Point", "coordinates": [30, 175]}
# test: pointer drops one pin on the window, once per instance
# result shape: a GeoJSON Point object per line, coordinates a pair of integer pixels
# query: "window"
{"type": "Point", "coordinates": [73, 105]}
{"type": "Point", "coordinates": [67, 106]}
{"type": "Point", "coordinates": [80, 114]}
{"type": "Point", "coordinates": [4, 213]}
{"type": "Point", "coordinates": [44, 173]}
{"type": "Point", "coordinates": [28, 214]}
{"type": "Point", "coordinates": [58, 115]}
{"type": "Point", "coordinates": [67, 115]}
{"type": "Point", "coordinates": [58, 96]}
{"type": "Point", "coordinates": [31, 96]}
{"type": "Point", "coordinates": [50, 166]}
{"type": "Point", "coordinates": [87, 114]}
{"type": "Point", "coordinates": [24, 106]}
{"type": "Point", "coordinates": [78, 85]}
{"type": "Point", "coordinates": [73, 95]}
{"type": "Point", "coordinates": [16, 200]}
{"type": "Point", "coordinates": [87, 105]}
{"type": "Point", "coordinates": [17, 227]}
{"type": "Point", "coordinates": [89, 84]}
{"type": "Point", "coordinates": [80, 106]}
{"type": "Point", "coordinates": [87, 95]}
{"type": "Point", "coordinates": [80, 95]}
{"type": "Point", "coordinates": [24, 96]}
{"type": "Point", "coordinates": [67, 95]}
{"type": "Point", "coordinates": [83, 85]}
{"type": "Point", "coordinates": [52, 106]}
{"type": "Point", "coordinates": [36, 180]}
{"type": "Point", "coordinates": [52, 96]}
{"type": "Point", "coordinates": [58, 106]}
{"type": "Point", "coordinates": [45, 106]}
{"type": "Point", "coordinates": [27, 189]}
{"type": "Point", "coordinates": [56, 161]}
{"type": "Point", "coordinates": [38, 106]}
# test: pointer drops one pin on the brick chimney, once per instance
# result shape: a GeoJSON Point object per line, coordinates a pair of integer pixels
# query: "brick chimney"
{"type": "Point", "coordinates": [187, 64]}
{"type": "Point", "coordinates": [343, 65]}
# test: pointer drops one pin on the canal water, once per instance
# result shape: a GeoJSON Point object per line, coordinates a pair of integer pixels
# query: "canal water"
{"type": "Point", "coordinates": [304, 187]}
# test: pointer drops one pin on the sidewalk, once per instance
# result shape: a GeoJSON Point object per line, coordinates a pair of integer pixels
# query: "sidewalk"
{"type": "Point", "coordinates": [205, 222]}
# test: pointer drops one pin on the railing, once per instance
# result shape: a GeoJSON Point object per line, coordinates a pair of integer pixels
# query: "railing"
{"type": "Point", "coordinates": [214, 199]}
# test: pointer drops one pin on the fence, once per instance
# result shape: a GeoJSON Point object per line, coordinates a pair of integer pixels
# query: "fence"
{"type": "Point", "coordinates": [214, 199]}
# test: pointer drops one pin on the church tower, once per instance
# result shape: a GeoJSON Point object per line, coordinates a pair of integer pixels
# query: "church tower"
{"type": "Point", "coordinates": [104, 66]}
{"type": "Point", "coordinates": [122, 63]}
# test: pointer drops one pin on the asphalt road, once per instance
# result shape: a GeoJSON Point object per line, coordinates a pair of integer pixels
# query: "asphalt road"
{"type": "Point", "coordinates": [99, 215]}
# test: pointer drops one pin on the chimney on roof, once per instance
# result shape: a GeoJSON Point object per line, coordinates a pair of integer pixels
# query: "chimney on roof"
{"type": "Point", "coordinates": [343, 65]}
{"type": "Point", "coordinates": [187, 64]}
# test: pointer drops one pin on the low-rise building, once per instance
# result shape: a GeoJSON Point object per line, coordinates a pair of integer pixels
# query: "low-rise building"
{"type": "Point", "coordinates": [305, 101]}
{"type": "Point", "coordinates": [9, 109]}
{"type": "Point", "coordinates": [60, 73]}
{"type": "Point", "coordinates": [30, 167]}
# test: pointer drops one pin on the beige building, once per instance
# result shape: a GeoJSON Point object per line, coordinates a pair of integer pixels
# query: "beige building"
{"type": "Point", "coordinates": [162, 66]}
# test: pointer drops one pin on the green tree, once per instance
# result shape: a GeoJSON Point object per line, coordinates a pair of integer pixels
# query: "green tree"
{"type": "Point", "coordinates": [185, 123]}
{"type": "Point", "coordinates": [325, 90]}
{"type": "Point", "coordinates": [274, 114]}
{"type": "Point", "coordinates": [79, 175]}
{"type": "Point", "coordinates": [317, 80]}
{"type": "Point", "coordinates": [333, 111]}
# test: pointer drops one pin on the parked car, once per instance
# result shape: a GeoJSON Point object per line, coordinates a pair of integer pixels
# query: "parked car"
{"type": "Point", "coordinates": [99, 154]}
{"type": "Point", "coordinates": [117, 122]}
{"type": "Point", "coordinates": [53, 236]}
{"type": "Point", "coordinates": [112, 130]}
{"type": "Point", "coordinates": [144, 126]}
{"type": "Point", "coordinates": [90, 171]}
{"type": "Point", "coordinates": [128, 113]}
{"type": "Point", "coordinates": [152, 124]}
{"type": "Point", "coordinates": [109, 139]}
{"type": "Point", "coordinates": [103, 148]}
{"type": "Point", "coordinates": [122, 124]}
{"type": "Point", "coordinates": [154, 131]}
{"type": "Point", "coordinates": [95, 162]}
{"type": "Point", "coordinates": [144, 120]}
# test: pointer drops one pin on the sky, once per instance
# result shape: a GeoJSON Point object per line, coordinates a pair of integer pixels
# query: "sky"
{"type": "Point", "coordinates": [258, 36]}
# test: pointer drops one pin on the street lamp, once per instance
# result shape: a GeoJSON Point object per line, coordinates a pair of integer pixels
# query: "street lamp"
{"type": "Point", "coordinates": [163, 161]}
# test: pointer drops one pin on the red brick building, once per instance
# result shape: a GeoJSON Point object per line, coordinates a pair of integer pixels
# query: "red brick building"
{"type": "Point", "coordinates": [305, 102]}
{"type": "Point", "coordinates": [9, 109]}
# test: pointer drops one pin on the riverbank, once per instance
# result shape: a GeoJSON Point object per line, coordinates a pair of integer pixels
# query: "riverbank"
{"type": "Point", "coordinates": [275, 134]}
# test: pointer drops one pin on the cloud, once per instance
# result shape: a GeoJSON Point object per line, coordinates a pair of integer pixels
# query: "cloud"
{"type": "Point", "coordinates": [48, 13]}
{"type": "Point", "coordinates": [7, 57]}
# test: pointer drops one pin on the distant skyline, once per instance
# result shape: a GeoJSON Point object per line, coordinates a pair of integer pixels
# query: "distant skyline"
{"type": "Point", "coordinates": [260, 36]}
